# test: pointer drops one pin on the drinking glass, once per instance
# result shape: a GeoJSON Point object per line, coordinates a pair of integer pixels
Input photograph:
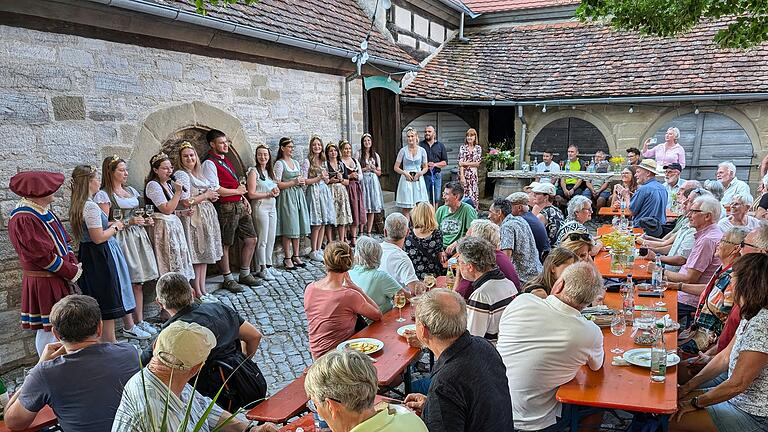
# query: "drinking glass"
{"type": "Point", "coordinates": [138, 211]}
{"type": "Point", "coordinates": [149, 209]}
{"type": "Point", "coordinates": [429, 280]}
{"type": "Point", "coordinates": [399, 302]}
{"type": "Point", "coordinates": [117, 214]}
{"type": "Point", "coordinates": [618, 327]}
{"type": "Point", "coordinates": [660, 288]}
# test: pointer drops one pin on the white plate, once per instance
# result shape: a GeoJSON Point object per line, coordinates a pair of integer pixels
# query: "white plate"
{"type": "Point", "coordinates": [401, 331]}
{"type": "Point", "coordinates": [642, 357]}
{"type": "Point", "coordinates": [379, 344]}
{"type": "Point", "coordinates": [674, 327]}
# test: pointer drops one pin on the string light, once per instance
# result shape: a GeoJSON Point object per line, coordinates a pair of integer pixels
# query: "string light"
{"type": "Point", "coordinates": [631, 109]}
{"type": "Point", "coordinates": [544, 109]}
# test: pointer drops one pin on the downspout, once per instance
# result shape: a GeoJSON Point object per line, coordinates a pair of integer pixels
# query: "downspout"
{"type": "Point", "coordinates": [522, 131]}
{"type": "Point", "coordinates": [461, 29]}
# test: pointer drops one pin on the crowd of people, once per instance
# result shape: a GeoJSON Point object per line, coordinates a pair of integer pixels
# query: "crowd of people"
{"type": "Point", "coordinates": [527, 267]}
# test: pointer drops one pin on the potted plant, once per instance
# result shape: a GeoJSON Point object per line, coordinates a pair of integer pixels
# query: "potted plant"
{"type": "Point", "coordinates": [500, 156]}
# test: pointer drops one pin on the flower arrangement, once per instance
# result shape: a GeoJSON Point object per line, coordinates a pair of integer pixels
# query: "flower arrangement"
{"type": "Point", "coordinates": [619, 242]}
{"type": "Point", "coordinates": [618, 163]}
{"type": "Point", "coordinates": [500, 156]}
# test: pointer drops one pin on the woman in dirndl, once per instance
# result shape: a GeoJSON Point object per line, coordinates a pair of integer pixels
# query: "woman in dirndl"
{"type": "Point", "coordinates": [338, 179]}
{"type": "Point", "coordinates": [164, 195]}
{"type": "Point", "coordinates": [372, 195]}
{"type": "Point", "coordinates": [322, 214]}
{"type": "Point", "coordinates": [121, 201]}
{"type": "Point", "coordinates": [292, 219]}
{"type": "Point", "coordinates": [105, 272]}
{"type": "Point", "coordinates": [411, 164]}
{"type": "Point", "coordinates": [354, 188]}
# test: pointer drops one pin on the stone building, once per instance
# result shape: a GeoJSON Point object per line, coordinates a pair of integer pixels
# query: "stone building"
{"type": "Point", "coordinates": [81, 80]}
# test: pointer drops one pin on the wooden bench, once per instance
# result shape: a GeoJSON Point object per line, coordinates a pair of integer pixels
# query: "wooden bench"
{"type": "Point", "coordinates": [283, 405]}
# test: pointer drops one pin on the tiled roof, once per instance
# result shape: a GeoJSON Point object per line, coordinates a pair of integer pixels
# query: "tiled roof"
{"type": "Point", "coordinates": [571, 59]}
{"type": "Point", "coordinates": [338, 23]}
{"type": "Point", "coordinates": [490, 6]}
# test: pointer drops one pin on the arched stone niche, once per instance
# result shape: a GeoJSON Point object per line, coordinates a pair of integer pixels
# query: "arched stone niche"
{"type": "Point", "coordinates": [165, 127]}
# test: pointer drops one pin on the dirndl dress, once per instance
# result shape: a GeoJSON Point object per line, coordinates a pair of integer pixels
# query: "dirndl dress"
{"type": "Point", "coordinates": [292, 211]}
{"type": "Point", "coordinates": [202, 228]}
{"type": "Point", "coordinates": [340, 196]}
{"type": "Point", "coordinates": [409, 192]}
{"type": "Point", "coordinates": [170, 243]}
{"type": "Point", "coordinates": [319, 197]}
{"type": "Point", "coordinates": [372, 196]}
{"type": "Point", "coordinates": [355, 191]}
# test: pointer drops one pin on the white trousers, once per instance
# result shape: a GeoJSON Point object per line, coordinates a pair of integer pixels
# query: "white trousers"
{"type": "Point", "coordinates": [265, 222]}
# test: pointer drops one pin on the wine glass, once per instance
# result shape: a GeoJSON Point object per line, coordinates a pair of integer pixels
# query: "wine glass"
{"type": "Point", "coordinates": [429, 281]}
{"type": "Point", "coordinates": [660, 288]}
{"type": "Point", "coordinates": [138, 211]}
{"type": "Point", "coordinates": [149, 210]}
{"type": "Point", "coordinates": [618, 327]}
{"type": "Point", "coordinates": [399, 302]}
{"type": "Point", "coordinates": [117, 214]}
{"type": "Point", "coordinates": [242, 181]}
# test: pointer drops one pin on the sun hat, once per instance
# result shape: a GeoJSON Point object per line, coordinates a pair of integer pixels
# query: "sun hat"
{"type": "Point", "coordinates": [648, 165]}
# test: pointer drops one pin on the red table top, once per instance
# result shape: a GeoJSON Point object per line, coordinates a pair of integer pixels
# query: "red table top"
{"type": "Point", "coordinates": [610, 211]}
{"type": "Point", "coordinates": [45, 417]}
{"type": "Point", "coordinates": [640, 269]}
{"type": "Point", "coordinates": [626, 387]}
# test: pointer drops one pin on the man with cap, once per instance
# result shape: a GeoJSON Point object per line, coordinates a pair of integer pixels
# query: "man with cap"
{"type": "Point", "coordinates": [549, 215]}
{"type": "Point", "coordinates": [49, 266]}
{"type": "Point", "coordinates": [650, 200]}
{"type": "Point", "coordinates": [179, 353]}
{"type": "Point", "coordinates": [672, 182]}
{"type": "Point", "coordinates": [520, 208]}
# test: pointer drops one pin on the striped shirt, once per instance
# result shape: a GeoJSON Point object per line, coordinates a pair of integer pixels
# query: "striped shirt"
{"type": "Point", "coordinates": [486, 304]}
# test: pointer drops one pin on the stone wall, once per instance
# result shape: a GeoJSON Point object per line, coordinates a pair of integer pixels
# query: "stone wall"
{"type": "Point", "coordinates": [66, 100]}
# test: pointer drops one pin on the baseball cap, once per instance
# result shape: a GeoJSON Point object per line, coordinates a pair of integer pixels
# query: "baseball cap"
{"type": "Point", "coordinates": [674, 166]}
{"type": "Point", "coordinates": [183, 345]}
{"type": "Point", "coordinates": [544, 188]}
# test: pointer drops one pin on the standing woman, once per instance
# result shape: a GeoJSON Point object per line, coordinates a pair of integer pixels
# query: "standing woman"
{"type": "Point", "coordinates": [668, 152]}
{"type": "Point", "coordinates": [104, 267]}
{"type": "Point", "coordinates": [411, 164]}
{"type": "Point", "coordinates": [133, 240]}
{"type": "Point", "coordinates": [338, 178]}
{"type": "Point", "coordinates": [263, 191]}
{"type": "Point", "coordinates": [470, 155]}
{"type": "Point", "coordinates": [292, 220]}
{"type": "Point", "coordinates": [354, 188]}
{"type": "Point", "coordinates": [372, 196]}
{"type": "Point", "coordinates": [201, 225]}
{"type": "Point", "coordinates": [163, 194]}
{"type": "Point", "coordinates": [319, 197]}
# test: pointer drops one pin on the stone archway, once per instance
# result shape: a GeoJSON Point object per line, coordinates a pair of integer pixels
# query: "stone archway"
{"type": "Point", "coordinates": [167, 126]}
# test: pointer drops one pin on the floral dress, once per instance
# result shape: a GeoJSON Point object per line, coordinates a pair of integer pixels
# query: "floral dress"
{"type": "Point", "coordinates": [470, 174]}
{"type": "Point", "coordinates": [425, 253]}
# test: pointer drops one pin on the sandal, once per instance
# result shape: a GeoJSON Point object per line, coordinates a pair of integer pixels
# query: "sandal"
{"type": "Point", "coordinates": [287, 261]}
{"type": "Point", "coordinates": [297, 261]}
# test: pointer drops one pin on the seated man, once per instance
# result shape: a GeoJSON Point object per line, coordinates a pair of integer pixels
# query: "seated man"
{"type": "Point", "coordinates": [672, 182]}
{"type": "Point", "coordinates": [726, 174]}
{"type": "Point", "coordinates": [544, 342]}
{"type": "Point", "coordinates": [674, 251]}
{"type": "Point", "coordinates": [570, 186]}
{"type": "Point", "coordinates": [454, 216]}
{"type": "Point", "coordinates": [247, 385]}
{"type": "Point", "coordinates": [547, 166]}
{"type": "Point", "coordinates": [516, 239]}
{"type": "Point", "coordinates": [598, 189]}
{"type": "Point", "coordinates": [650, 200]}
{"type": "Point", "coordinates": [80, 377]}
{"type": "Point", "coordinates": [520, 207]}
{"type": "Point", "coordinates": [343, 385]}
{"type": "Point", "coordinates": [178, 355]}
{"type": "Point", "coordinates": [462, 396]}
{"type": "Point", "coordinates": [491, 290]}
{"type": "Point", "coordinates": [394, 260]}
{"type": "Point", "coordinates": [633, 156]}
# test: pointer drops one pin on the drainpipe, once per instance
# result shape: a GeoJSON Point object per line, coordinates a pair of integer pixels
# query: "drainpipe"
{"type": "Point", "coordinates": [522, 132]}
{"type": "Point", "coordinates": [461, 29]}
{"type": "Point", "coordinates": [348, 102]}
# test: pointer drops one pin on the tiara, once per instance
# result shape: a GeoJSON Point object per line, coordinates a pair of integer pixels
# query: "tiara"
{"type": "Point", "coordinates": [157, 157]}
{"type": "Point", "coordinates": [92, 169]}
{"type": "Point", "coordinates": [186, 145]}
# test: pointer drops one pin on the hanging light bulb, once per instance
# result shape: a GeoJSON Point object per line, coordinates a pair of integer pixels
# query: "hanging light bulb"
{"type": "Point", "coordinates": [544, 109]}
{"type": "Point", "coordinates": [631, 109]}
{"type": "Point", "coordinates": [696, 111]}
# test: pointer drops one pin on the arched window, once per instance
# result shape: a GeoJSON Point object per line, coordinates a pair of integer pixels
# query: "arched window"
{"type": "Point", "coordinates": [558, 135]}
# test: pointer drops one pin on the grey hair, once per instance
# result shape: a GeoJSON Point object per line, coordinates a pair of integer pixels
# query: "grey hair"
{"type": "Point", "coordinates": [174, 291]}
{"type": "Point", "coordinates": [487, 230]}
{"type": "Point", "coordinates": [691, 184]}
{"type": "Point", "coordinates": [443, 312]}
{"type": "Point", "coordinates": [676, 132]}
{"type": "Point", "coordinates": [736, 234]}
{"type": "Point", "coordinates": [710, 205]}
{"type": "Point", "coordinates": [477, 251]}
{"type": "Point", "coordinates": [743, 199]}
{"type": "Point", "coordinates": [345, 376]}
{"type": "Point", "coordinates": [582, 283]}
{"type": "Point", "coordinates": [765, 180]}
{"type": "Point", "coordinates": [396, 226]}
{"type": "Point", "coordinates": [368, 253]}
{"type": "Point", "coordinates": [577, 203]}
{"type": "Point", "coordinates": [728, 165]}
{"type": "Point", "coordinates": [761, 240]}
{"type": "Point", "coordinates": [518, 198]}
{"type": "Point", "coordinates": [715, 187]}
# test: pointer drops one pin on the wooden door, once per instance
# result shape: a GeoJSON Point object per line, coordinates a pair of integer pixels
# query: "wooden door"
{"type": "Point", "coordinates": [384, 121]}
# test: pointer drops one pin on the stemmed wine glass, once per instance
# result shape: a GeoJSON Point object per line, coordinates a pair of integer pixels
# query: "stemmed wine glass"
{"type": "Point", "coordinates": [149, 209]}
{"type": "Point", "coordinates": [399, 302]}
{"type": "Point", "coordinates": [117, 214]}
{"type": "Point", "coordinates": [618, 327]}
{"type": "Point", "coordinates": [660, 288]}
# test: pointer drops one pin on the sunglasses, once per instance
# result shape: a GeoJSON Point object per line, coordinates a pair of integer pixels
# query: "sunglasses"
{"type": "Point", "coordinates": [579, 236]}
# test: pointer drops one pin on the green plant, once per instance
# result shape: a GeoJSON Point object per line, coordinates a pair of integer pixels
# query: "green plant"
{"type": "Point", "coordinates": [202, 5]}
{"type": "Point", "coordinates": [501, 153]}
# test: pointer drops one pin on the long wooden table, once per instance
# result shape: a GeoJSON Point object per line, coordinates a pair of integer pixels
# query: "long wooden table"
{"type": "Point", "coordinates": [626, 387]}
{"type": "Point", "coordinates": [610, 211]}
{"type": "Point", "coordinates": [44, 418]}
{"type": "Point", "coordinates": [640, 268]}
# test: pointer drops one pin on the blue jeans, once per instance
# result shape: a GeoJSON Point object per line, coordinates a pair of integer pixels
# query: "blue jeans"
{"type": "Point", "coordinates": [434, 186]}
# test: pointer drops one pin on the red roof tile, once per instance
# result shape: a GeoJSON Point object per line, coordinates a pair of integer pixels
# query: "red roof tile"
{"type": "Point", "coordinates": [490, 6]}
{"type": "Point", "coordinates": [571, 59]}
{"type": "Point", "coordinates": [338, 23]}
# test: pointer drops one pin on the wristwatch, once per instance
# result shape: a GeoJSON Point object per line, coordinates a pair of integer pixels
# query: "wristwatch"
{"type": "Point", "coordinates": [191, 202]}
{"type": "Point", "coordinates": [695, 402]}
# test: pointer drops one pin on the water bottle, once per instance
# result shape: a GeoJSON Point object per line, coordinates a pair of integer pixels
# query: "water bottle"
{"type": "Point", "coordinates": [535, 162]}
{"type": "Point", "coordinates": [591, 167]}
{"type": "Point", "coordinates": [623, 221]}
{"type": "Point", "coordinates": [656, 276]}
{"type": "Point", "coordinates": [659, 355]}
{"type": "Point", "coordinates": [628, 298]}
{"type": "Point", "coordinates": [449, 277]}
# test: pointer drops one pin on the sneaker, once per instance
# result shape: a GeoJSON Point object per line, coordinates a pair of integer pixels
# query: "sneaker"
{"type": "Point", "coordinates": [266, 275]}
{"type": "Point", "coordinates": [232, 286]}
{"type": "Point", "coordinates": [136, 333]}
{"type": "Point", "coordinates": [316, 256]}
{"type": "Point", "coordinates": [147, 327]}
{"type": "Point", "coordinates": [248, 280]}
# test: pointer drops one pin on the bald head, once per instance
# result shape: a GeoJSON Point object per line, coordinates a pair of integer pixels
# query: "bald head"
{"type": "Point", "coordinates": [757, 240]}
{"type": "Point", "coordinates": [443, 312]}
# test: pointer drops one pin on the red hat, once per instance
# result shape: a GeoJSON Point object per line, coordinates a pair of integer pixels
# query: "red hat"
{"type": "Point", "coordinates": [36, 184]}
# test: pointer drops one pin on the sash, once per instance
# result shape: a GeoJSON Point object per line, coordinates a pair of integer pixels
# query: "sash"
{"type": "Point", "coordinates": [219, 161]}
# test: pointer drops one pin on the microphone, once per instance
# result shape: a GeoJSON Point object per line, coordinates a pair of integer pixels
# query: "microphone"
{"type": "Point", "coordinates": [173, 178]}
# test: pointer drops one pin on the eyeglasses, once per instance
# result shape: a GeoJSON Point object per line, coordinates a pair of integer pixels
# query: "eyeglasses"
{"type": "Point", "coordinates": [730, 242]}
{"type": "Point", "coordinates": [575, 236]}
{"type": "Point", "coordinates": [697, 211]}
{"type": "Point", "coordinates": [743, 243]}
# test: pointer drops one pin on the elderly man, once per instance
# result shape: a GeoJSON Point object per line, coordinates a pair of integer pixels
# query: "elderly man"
{"type": "Point", "coordinates": [394, 260]}
{"type": "Point", "coordinates": [552, 335]}
{"type": "Point", "coordinates": [650, 200]}
{"type": "Point", "coordinates": [516, 239]}
{"type": "Point", "coordinates": [343, 385]}
{"type": "Point", "coordinates": [247, 384]}
{"type": "Point", "coordinates": [570, 186]}
{"type": "Point", "coordinates": [77, 374]}
{"type": "Point", "coordinates": [702, 262]}
{"type": "Point", "coordinates": [675, 249]}
{"type": "Point", "coordinates": [437, 158]}
{"type": "Point", "coordinates": [461, 396]}
{"type": "Point", "coordinates": [378, 285]}
{"type": "Point", "coordinates": [672, 182]}
{"type": "Point", "coordinates": [726, 174]}
{"type": "Point", "coordinates": [454, 216]}
{"type": "Point", "coordinates": [179, 353]}
{"type": "Point", "coordinates": [520, 207]}
{"type": "Point", "coordinates": [546, 166]}
{"type": "Point", "coordinates": [491, 290]}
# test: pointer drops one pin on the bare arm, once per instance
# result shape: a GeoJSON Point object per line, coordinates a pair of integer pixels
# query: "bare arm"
{"type": "Point", "coordinates": [690, 277]}
{"type": "Point", "coordinates": [251, 336]}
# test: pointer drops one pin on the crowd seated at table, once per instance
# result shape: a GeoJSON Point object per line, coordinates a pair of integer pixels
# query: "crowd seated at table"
{"type": "Point", "coordinates": [487, 230]}
{"type": "Point", "coordinates": [517, 240]}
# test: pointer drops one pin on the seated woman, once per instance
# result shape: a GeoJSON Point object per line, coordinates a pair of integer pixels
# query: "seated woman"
{"type": "Point", "coordinates": [343, 385]}
{"type": "Point", "coordinates": [558, 260]}
{"type": "Point", "coordinates": [333, 303]}
{"type": "Point", "coordinates": [760, 206]}
{"type": "Point", "coordinates": [378, 285]}
{"type": "Point", "coordinates": [729, 394]}
{"type": "Point", "coordinates": [488, 230]}
{"type": "Point", "coordinates": [579, 212]}
{"type": "Point", "coordinates": [737, 215]}
{"type": "Point", "coordinates": [623, 191]}
{"type": "Point", "coordinates": [580, 243]}
{"type": "Point", "coordinates": [424, 243]}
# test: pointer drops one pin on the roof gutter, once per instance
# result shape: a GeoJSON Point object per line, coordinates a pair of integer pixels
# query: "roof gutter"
{"type": "Point", "coordinates": [592, 101]}
{"type": "Point", "coordinates": [176, 14]}
{"type": "Point", "coordinates": [459, 6]}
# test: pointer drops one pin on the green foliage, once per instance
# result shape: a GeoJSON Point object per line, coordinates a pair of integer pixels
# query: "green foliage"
{"type": "Point", "coordinates": [202, 5]}
{"type": "Point", "coordinates": [747, 19]}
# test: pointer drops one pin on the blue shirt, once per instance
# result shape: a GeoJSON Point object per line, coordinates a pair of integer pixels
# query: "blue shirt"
{"type": "Point", "coordinates": [650, 200]}
{"type": "Point", "coordinates": [539, 232]}
{"type": "Point", "coordinates": [436, 153]}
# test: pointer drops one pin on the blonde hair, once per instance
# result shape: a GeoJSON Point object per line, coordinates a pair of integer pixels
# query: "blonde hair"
{"type": "Point", "coordinates": [423, 217]}
{"type": "Point", "coordinates": [184, 145]}
{"type": "Point", "coordinates": [348, 377]}
{"type": "Point", "coordinates": [574, 245]}
{"type": "Point", "coordinates": [338, 257]}
{"type": "Point", "coordinates": [485, 229]}
{"type": "Point", "coordinates": [81, 177]}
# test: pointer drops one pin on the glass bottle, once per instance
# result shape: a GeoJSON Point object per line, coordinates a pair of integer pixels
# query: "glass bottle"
{"type": "Point", "coordinates": [659, 355]}
{"type": "Point", "coordinates": [628, 298]}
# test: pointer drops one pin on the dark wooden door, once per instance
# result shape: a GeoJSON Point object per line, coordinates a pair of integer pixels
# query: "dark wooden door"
{"type": "Point", "coordinates": [384, 121]}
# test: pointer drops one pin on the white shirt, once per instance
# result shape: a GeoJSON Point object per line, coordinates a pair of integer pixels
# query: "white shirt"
{"type": "Point", "coordinates": [486, 305]}
{"type": "Point", "coordinates": [543, 167]}
{"type": "Point", "coordinates": [672, 191]}
{"type": "Point", "coordinates": [396, 263]}
{"type": "Point", "coordinates": [737, 187]}
{"type": "Point", "coordinates": [210, 173]}
{"type": "Point", "coordinates": [726, 223]}
{"type": "Point", "coordinates": [543, 343]}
